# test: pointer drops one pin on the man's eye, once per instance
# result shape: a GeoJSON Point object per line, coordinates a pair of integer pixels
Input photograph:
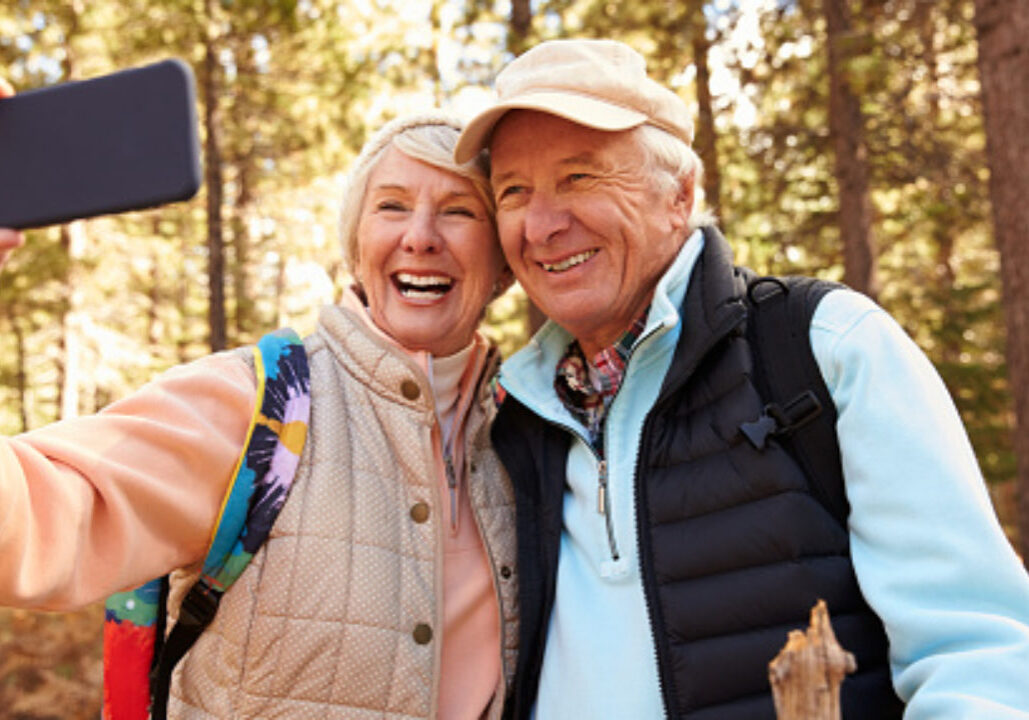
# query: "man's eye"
{"type": "Point", "coordinates": [574, 177]}
{"type": "Point", "coordinates": [510, 191]}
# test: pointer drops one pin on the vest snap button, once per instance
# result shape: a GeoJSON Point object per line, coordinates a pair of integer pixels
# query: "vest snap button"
{"type": "Point", "coordinates": [410, 390]}
{"type": "Point", "coordinates": [422, 634]}
{"type": "Point", "coordinates": [420, 512]}
{"type": "Point", "coordinates": [505, 572]}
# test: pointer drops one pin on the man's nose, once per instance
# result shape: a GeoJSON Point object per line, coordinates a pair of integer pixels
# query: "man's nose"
{"type": "Point", "coordinates": [545, 217]}
{"type": "Point", "coordinates": [422, 235]}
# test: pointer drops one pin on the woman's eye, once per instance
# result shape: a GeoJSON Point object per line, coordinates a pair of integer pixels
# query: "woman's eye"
{"type": "Point", "coordinates": [390, 205]}
{"type": "Point", "coordinates": [460, 211]}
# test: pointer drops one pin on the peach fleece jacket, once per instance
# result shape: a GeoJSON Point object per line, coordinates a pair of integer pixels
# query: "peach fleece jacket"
{"type": "Point", "coordinates": [102, 503]}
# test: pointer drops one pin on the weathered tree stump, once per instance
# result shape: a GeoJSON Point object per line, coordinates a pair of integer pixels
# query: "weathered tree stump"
{"type": "Point", "coordinates": [807, 673]}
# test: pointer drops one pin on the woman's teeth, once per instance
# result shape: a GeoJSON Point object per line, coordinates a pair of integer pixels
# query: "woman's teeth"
{"type": "Point", "coordinates": [569, 262]}
{"type": "Point", "coordinates": [423, 287]}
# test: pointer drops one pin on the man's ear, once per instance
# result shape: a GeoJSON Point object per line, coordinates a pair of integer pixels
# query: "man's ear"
{"type": "Point", "coordinates": [683, 203]}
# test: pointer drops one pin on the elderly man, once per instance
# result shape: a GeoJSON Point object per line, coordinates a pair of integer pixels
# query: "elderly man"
{"type": "Point", "coordinates": [663, 558]}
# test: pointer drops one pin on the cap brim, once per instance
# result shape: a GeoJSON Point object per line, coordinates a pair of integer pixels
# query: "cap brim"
{"type": "Point", "coordinates": [580, 109]}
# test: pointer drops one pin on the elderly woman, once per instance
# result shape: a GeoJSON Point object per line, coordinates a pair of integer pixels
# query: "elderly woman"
{"type": "Point", "coordinates": [386, 585]}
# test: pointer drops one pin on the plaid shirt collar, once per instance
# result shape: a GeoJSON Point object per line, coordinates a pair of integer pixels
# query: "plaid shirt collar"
{"type": "Point", "coordinates": [587, 389]}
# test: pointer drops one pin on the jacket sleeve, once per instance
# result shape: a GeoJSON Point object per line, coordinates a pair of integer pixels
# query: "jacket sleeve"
{"type": "Point", "coordinates": [97, 504]}
{"type": "Point", "coordinates": [930, 556]}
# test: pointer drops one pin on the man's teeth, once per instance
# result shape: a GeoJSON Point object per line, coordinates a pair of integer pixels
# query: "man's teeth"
{"type": "Point", "coordinates": [423, 287]}
{"type": "Point", "coordinates": [569, 262]}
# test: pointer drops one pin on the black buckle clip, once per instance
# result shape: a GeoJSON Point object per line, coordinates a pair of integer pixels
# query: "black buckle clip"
{"type": "Point", "coordinates": [776, 420]}
{"type": "Point", "coordinates": [199, 606]}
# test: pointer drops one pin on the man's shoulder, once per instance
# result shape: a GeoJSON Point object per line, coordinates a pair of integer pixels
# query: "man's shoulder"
{"type": "Point", "coordinates": [842, 309]}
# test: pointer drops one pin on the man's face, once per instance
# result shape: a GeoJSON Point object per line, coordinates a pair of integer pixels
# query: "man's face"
{"type": "Point", "coordinates": [587, 230]}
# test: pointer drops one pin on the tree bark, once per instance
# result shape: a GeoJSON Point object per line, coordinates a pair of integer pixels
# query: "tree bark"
{"type": "Point", "coordinates": [521, 21]}
{"type": "Point", "coordinates": [243, 308]}
{"type": "Point", "coordinates": [846, 126]}
{"type": "Point", "coordinates": [1003, 31]}
{"type": "Point", "coordinates": [21, 373]}
{"type": "Point", "coordinates": [807, 673]}
{"type": "Point", "coordinates": [938, 163]}
{"type": "Point", "coordinates": [212, 152]}
{"type": "Point", "coordinates": [705, 138]}
{"type": "Point", "coordinates": [73, 241]}
{"type": "Point", "coordinates": [153, 333]}
{"type": "Point", "coordinates": [242, 155]}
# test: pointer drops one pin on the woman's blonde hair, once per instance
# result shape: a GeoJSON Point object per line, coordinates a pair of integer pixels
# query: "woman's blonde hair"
{"type": "Point", "coordinates": [428, 137]}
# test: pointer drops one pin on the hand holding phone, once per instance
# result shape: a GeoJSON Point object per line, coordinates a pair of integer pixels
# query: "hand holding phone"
{"type": "Point", "coordinates": [124, 141]}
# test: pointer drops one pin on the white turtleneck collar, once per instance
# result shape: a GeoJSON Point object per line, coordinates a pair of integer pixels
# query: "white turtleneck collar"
{"type": "Point", "coordinates": [445, 375]}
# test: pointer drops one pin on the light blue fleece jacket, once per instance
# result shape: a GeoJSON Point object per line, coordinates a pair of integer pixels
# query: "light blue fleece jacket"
{"type": "Point", "coordinates": [930, 556]}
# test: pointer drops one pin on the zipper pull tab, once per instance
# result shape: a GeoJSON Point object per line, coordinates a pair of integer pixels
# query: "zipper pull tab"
{"type": "Point", "coordinates": [602, 487]}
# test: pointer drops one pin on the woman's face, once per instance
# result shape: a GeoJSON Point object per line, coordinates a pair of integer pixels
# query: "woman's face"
{"type": "Point", "coordinates": [428, 256]}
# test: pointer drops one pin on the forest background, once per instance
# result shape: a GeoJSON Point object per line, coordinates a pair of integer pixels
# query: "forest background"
{"type": "Point", "coordinates": [846, 139]}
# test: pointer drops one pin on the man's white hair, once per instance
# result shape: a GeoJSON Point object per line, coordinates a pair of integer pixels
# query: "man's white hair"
{"type": "Point", "coordinates": [672, 161]}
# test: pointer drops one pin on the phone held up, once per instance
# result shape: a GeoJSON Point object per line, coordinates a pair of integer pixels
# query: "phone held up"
{"type": "Point", "coordinates": [124, 141]}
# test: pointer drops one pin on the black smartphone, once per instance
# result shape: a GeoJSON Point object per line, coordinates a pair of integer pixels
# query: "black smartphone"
{"type": "Point", "coordinates": [124, 141]}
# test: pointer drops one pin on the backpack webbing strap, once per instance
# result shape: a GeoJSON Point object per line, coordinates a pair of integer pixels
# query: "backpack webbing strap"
{"type": "Point", "coordinates": [141, 671]}
{"type": "Point", "coordinates": [799, 413]}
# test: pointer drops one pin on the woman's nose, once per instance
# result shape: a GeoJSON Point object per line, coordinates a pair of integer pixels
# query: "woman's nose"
{"type": "Point", "coordinates": [421, 235]}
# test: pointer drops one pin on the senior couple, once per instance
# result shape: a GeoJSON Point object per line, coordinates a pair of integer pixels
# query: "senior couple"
{"type": "Point", "coordinates": [659, 559]}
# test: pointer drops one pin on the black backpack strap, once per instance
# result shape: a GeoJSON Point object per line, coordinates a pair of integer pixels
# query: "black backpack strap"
{"type": "Point", "coordinates": [799, 411]}
{"type": "Point", "coordinates": [198, 610]}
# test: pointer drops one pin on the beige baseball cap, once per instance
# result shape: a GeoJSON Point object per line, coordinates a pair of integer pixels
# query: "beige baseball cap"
{"type": "Point", "coordinates": [602, 84]}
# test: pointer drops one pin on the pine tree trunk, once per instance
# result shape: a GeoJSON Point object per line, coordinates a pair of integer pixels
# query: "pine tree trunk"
{"type": "Point", "coordinates": [1003, 30]}
{"type": "Point", "coordinates": [846, 126]}
{"type": "Point", "coordinates": [73, 241]}
{"type": "Point", "coordinates": [153, 334]}
{"type": "Point", "coordinates": [21, 372]}
{"type": "Point", "coordinates": [243, 307]}
{"type": "Point", "coordinates": [704, 138]}
{"type": "Point", "coordinates": [215, 241]}
{"type": "Point", "coordinates": [73, 244]}
{"type": "Point", "coordinates": [938, 163]}
{"type": "Point", "coordinates": [521, 21]}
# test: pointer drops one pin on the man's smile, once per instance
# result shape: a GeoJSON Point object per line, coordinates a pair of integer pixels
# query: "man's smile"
{"type": "Point", "coordinates": [569, 262]}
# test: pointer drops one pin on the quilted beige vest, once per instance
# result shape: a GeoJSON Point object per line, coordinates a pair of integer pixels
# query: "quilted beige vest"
{"type": "Point", "coordinates": [338, 615]}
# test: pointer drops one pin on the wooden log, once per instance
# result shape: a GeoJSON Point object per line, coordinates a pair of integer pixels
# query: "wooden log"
{"type": "Point", "coordinates": [807, 673]}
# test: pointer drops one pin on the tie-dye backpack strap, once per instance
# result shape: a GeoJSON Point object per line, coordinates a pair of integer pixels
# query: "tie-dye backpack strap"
{"type": "Point", "coordinates": [130, 633]}
{"type": "Point", "coordinates": [137, 664]}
